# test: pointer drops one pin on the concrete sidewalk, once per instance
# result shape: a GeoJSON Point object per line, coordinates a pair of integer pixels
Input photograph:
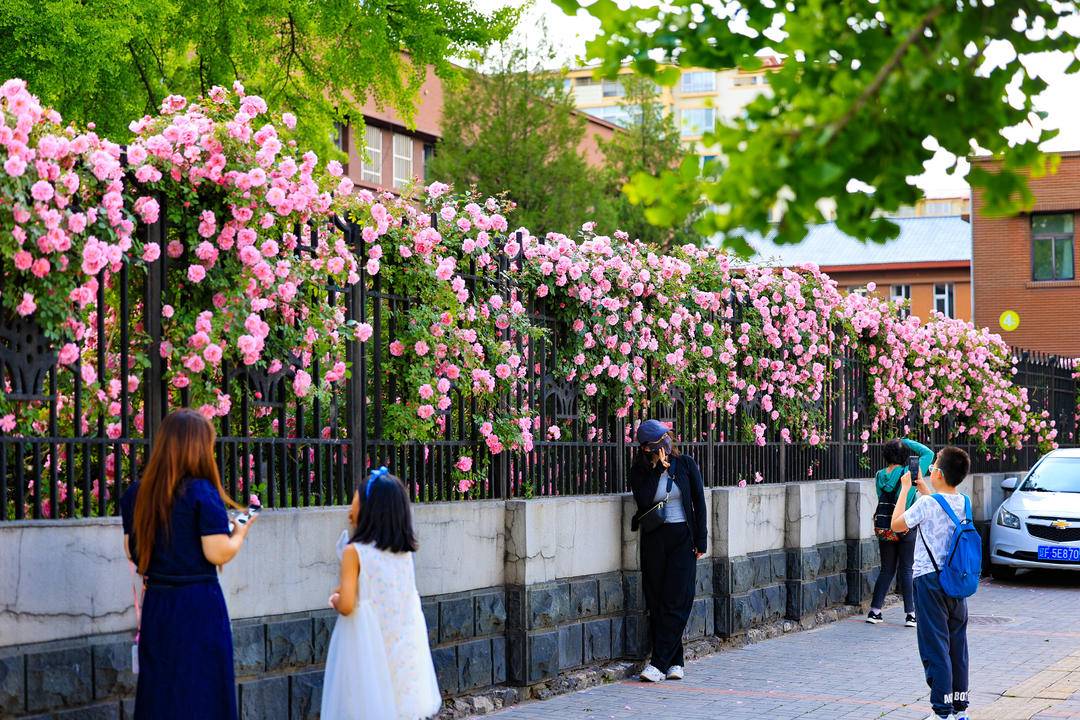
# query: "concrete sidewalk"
{"type": "Point", "coordinates": [1025, 663]}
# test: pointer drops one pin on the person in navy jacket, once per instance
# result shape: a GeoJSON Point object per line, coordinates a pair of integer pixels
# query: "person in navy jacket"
{"type": "Point", "coordinates": [670, 552]}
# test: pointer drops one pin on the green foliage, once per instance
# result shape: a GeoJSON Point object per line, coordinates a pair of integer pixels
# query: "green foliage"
{"type": "Point", "coordinates": [862, 86]}
{"type": "Point", "coordinates": [516, 131]}
{"type": "Point", "coordinates": [108, 61]}
{"type": "Point", "coordinates": [649, 145]}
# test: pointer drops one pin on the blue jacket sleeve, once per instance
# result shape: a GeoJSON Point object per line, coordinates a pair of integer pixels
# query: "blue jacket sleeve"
{"type": "Point", "coordinates": [926, 455]}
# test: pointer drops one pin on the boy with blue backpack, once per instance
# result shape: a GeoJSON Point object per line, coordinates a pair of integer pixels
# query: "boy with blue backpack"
{"type": "Point", "coordinates": [948, 561]}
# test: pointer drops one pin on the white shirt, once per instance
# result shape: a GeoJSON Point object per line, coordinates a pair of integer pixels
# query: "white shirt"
{"type": "Point", "coordinates": [929, 519]}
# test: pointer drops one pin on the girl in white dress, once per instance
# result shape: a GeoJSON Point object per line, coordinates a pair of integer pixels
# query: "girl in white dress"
{"type": "Point", "coordinates": [379, 665]}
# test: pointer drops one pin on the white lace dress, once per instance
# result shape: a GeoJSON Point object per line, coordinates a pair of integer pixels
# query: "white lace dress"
{"type": "Point", "coordinates": [379, 665]}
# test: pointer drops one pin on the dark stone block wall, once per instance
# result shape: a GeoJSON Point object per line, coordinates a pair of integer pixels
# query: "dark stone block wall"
{"type": "Point", "coordinates": [749, 590]}
{"type": "Point", "coordinates": [515, 635]}
{"type": "Point", "coordinates": [467, 636]}
{"type": "Point", "coordinates": [565, 624]}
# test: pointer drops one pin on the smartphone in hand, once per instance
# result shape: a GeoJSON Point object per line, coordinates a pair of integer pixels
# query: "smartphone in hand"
{"type": "Point", "coordinates": [913, 467]}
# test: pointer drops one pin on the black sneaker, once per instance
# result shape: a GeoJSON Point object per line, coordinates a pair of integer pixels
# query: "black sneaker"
{"type": "Point", "coordinates": [909, 621]}
{"type": "Point", "coordinates": [874, 618]}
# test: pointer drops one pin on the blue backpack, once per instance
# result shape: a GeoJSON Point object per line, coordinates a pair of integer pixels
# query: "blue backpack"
{"type": "Point", "coordinates": [959, 573]}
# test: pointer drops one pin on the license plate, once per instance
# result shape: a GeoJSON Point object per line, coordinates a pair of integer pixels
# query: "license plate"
{"type": "Point", "coordinates": [1059, 554]}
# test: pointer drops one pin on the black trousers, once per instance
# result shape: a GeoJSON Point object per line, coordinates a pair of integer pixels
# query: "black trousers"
{"type": "Point", "coordinates": [897, 558]}
{"type": "Point", "coordinates": [668, 570]}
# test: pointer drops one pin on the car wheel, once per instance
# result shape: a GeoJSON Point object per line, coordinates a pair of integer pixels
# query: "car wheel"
{"type": "Point", "coordinates": [1002, 572]}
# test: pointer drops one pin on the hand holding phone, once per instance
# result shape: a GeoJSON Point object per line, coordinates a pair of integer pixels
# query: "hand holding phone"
{"type": "Point", "coordinates": [254, 508]}
{"type": "Point", "coordinates": [913, 467]}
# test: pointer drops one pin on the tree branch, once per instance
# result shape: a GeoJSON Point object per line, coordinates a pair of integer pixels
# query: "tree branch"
{"type": "Point", "coordinates": [886, 70]}
{"type": "Point", "coordinates": [151, 103]}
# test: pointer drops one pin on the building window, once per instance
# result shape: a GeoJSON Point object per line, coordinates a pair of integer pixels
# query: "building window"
{"type": "Point", "coordinates": [403, 157]}
{"type": "Point", "coordinates": [341, 136]}
{"type": "Point", "coordinates": [748, 80]}
{"type": "Point", "coordinates": [697, 121]}
{"type": "Point", "coordinates": [429, 155]}
{"type": "Point", "coordinates": [697, 81]}
{"type": "Point", "coordinates": [371, 165]}
{"type": "Point", "coordinates": [937, 208]}
{"type": "Point", "coordinates": [613, 88]}
{"type": "Point", "coordinates": [1052, 247]}
{"type": "Point", "coordinates": [858, 290]}
{"type": "Point", "coordinates": [617, 114]}
{"type": "Point", "coordinates": [945, 299]}
{"type": "Point", "coordinates": [901, 295]}
{"type": "Point", "coordinates": [584, 81]}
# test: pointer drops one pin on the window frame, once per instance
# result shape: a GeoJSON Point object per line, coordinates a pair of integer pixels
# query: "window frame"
{"type": "Point", "coordinates": [372, 172]}
{"type": "Point", "coordinates": [1054, 238]}
{"type": "Point", "coordinates": [683, 90]}
{"type": "Point", "coordinates": [904, 295]}
{"type": "Point", "coordinates": [399, 181]}
{"type": "Point", "coordinates": [612, 88]}
{"type": "Point", "coordinates": [698, 131]}
{"type": "Point", "coordinates": [341, 136]}
{"type": "Point", "coordinates": [948, 296]}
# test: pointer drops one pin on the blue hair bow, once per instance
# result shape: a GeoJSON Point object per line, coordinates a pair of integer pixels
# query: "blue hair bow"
{"type": "Point", "coordinates": [375, 475]}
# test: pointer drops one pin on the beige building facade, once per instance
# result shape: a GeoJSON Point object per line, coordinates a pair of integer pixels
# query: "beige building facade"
{"type": "Point", "coordinates": [698, 100]}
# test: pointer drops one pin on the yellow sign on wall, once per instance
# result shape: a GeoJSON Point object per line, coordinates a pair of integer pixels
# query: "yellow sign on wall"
{"type": "Point", "coordinates": [1009, 320]}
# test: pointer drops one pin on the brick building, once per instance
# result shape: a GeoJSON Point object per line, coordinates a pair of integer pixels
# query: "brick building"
{"type": "Point", "coordinates": [1027, 263]}
{"type": "Point", "coordinates": [386, 154]}
{"type": "Point", "coordinates": [928, 264]}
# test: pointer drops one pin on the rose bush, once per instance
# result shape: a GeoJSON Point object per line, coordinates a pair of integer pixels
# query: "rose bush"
{"type": "Point", "coordinates": [251, 251]}
{"type": "Point", "coordinates": [461, 346]}
{"type": "Point", "coordinates": [249, 239]}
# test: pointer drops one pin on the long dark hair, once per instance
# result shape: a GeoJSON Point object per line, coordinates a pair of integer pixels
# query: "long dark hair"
{"type": "Point", "coordinates": [183, 448]}
{"type": "Point", "coordinates": [385, 515]}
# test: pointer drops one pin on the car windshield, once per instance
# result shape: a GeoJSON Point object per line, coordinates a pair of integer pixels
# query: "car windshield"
{"type": "Point", "coordinates": [1054, 474]}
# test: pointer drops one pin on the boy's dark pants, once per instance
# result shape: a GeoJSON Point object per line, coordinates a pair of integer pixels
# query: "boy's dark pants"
{"type": "Point", "coordinates": [942, 633]}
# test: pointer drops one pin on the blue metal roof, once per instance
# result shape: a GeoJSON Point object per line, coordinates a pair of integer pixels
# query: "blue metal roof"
{"type": "Point", "coordinates": [923, 239]}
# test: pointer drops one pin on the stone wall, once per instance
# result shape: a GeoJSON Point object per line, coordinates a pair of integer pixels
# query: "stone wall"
{"type": "Point", "coordinates": [513, 592]}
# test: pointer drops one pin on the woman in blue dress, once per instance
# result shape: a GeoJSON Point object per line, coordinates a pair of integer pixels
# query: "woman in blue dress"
{"type": "Point", "coordinates": [185, 640]}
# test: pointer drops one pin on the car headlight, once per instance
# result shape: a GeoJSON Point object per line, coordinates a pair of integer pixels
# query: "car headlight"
{"type": "Point", "coordinates": [1007, 519]}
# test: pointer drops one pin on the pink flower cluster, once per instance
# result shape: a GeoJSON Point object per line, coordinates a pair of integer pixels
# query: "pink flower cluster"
{"type": "Point", "coordinates": [248, 268]}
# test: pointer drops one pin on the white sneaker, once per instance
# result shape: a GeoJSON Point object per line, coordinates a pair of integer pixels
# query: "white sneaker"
{"type": "Point", "coordinates": [935, 716]}
{"type": "Point", "coordinates": [963, 715]}
{"type": "Point", "coordinates": [676, 672]}
{"type": "Point", "coordinates": [910, 621]}
{"type": "Point", "coordinates": [651, 674]}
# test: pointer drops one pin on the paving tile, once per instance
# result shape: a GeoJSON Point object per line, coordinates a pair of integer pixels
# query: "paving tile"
{"type": "Point", "coordinates": [1024, 640]}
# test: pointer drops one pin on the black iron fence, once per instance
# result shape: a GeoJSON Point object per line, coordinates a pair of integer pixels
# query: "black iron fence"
{"type": "Point", "coordinates": [77, 462]}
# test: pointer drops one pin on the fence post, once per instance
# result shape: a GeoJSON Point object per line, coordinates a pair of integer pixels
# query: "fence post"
{"type": "Point", "coordinates": [356, 391]}
{"type": "Point", "coordinates": [153, 390]}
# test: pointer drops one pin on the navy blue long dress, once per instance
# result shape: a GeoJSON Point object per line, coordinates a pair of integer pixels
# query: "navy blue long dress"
{"type": "Point", "coordinates": [185, 645]}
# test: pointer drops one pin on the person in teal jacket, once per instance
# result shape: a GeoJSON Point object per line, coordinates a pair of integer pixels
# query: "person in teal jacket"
{"type": "Point", "coordinates": [898, 555]}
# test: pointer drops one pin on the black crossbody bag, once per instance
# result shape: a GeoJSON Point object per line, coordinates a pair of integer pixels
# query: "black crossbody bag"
{"type": "Point", "coordinates": [653, 519]}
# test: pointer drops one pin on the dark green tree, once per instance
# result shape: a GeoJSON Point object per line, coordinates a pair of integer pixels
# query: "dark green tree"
{"type": "Point", "coordinates": [649, 145]}
{"type": "Point", "coordinates": [862, 87]}
{"type": "Point", "coordinates": [515, 130]}
{"type": "Point", "coordinates": [110, 61]}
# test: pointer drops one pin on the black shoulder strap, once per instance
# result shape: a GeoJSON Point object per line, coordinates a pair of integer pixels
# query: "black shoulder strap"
{"type": "Point", "coordinates": [670, 475]}
{"type": "Point", "coordinates": [928, 552]}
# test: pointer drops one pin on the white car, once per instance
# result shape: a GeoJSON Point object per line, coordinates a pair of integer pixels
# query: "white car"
{"type": "Point", "coordinates": [1038, 526]}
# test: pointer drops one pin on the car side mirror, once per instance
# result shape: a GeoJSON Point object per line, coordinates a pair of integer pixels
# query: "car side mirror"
{"type": "Point", "coordinates": [1009, 484]}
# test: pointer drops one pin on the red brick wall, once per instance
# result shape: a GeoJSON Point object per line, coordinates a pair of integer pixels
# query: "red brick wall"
{"type": "Point", "coordinates": [428, 128]}
{"type": "Point", "coordinates": [921, 280]}
{"type": "Point", "coordinates": [1001, 269]}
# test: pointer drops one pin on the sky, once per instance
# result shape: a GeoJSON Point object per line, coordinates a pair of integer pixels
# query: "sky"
{"type": "Point", "coordinates": [569, 35]}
